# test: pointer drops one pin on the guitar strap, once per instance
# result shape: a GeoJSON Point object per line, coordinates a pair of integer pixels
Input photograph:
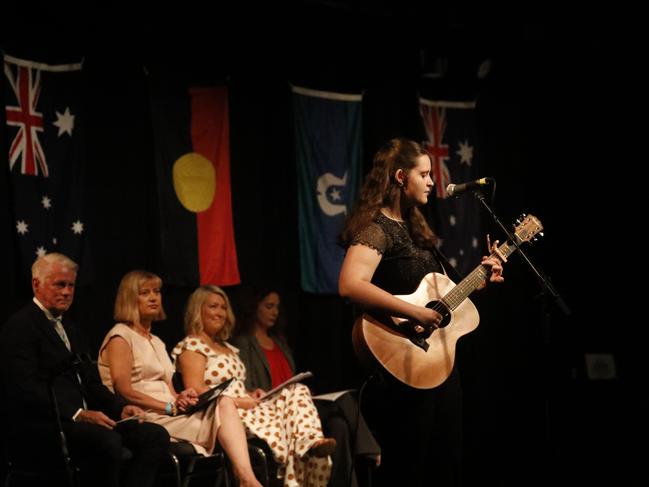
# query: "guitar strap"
{"type": "Point", "coordinates": [448, 267]}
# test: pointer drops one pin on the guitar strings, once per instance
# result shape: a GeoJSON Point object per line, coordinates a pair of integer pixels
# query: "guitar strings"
{"type": "Point", "coordinates": [459, 293]}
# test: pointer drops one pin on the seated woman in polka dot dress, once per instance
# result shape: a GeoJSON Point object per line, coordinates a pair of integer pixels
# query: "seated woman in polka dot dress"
{"type": "Point", "coordinates": [288, 421]}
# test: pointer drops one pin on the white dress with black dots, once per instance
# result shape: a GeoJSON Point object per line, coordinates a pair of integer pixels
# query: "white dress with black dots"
{"type": "Point", "coordinates": [288, 421]}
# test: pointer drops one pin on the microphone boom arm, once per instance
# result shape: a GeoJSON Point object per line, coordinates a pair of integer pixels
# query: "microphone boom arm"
{"type": "Point", "coordinates": [545, 282]}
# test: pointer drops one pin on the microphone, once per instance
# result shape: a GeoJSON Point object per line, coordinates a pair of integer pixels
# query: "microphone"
{"type": "Point", "coordinates": [455, 189]}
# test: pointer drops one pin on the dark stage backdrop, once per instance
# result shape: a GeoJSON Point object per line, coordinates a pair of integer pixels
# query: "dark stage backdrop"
{"type": "Point", "coordinates": [545, 120]}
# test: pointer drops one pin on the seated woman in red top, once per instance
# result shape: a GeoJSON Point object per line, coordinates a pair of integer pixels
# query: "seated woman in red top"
{"type": "Point", "coordinates": [263, 349]}
{"type": "Point", "coordinates": [262, 344]}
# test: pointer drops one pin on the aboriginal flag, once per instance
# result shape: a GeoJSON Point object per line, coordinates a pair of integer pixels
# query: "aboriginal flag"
{"type": "Point", "coordinates": [192, 148]}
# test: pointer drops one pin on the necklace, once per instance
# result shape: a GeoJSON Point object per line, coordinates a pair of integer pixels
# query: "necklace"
{"type": "Point", "coordinates": [140, 330]}
{"type": "Point", "coordinates": [399, 222]}
{"type": "Point", "coordinates": [389, 215]}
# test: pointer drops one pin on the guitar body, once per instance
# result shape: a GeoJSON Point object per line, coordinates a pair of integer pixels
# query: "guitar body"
{"type": "Point", "coordinates": [374, 341]}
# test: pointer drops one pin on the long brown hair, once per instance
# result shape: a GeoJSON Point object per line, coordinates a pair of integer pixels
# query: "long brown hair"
{"type": "Point", "coordinates": [253, 296]}
{"type": "Point", "coordinates": [381, 189]}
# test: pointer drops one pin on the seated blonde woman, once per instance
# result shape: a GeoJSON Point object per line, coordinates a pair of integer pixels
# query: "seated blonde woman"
{"type": "Point", "coordinates": [134, 363]}
{"type": "Point", "coordinates": [287, 421]}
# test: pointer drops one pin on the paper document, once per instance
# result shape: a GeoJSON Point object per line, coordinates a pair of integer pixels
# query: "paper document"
{"type": "Point", "coordinates": [130, 418]}
{"type": "Point", "coordinates": [332, 396]}
{"type": "Point", "coordinates": [208, 396]}
{"type": "Point", "coordinates": [292, 380]}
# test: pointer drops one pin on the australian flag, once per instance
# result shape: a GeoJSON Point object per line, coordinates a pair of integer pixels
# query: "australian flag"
{"type": "Point", "coordinates": [451, 142]}
{"type": "Point", "coordinates": [43, 145]}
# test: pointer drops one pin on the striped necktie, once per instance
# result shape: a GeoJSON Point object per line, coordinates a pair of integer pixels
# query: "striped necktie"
{"type": "Point", "coordinates": [58, 326]}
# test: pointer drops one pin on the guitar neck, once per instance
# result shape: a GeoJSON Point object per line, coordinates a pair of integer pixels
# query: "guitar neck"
{"type": "Point", "coordinates": [475, 278]}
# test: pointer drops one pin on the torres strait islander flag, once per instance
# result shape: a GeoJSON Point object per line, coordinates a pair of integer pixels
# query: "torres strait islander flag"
{"type": "Point", "coordinates": [44, 162]}
{"type": "Point", "coordinates": [328, 154]}
{"type": "Point", "coordinates": [192, 147]}
{"type": "Point", "coordinates": [451, 137]}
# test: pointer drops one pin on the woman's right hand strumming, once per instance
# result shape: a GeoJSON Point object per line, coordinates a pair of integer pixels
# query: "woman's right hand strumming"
{"type": "Point", "coordinates": [427, 316]}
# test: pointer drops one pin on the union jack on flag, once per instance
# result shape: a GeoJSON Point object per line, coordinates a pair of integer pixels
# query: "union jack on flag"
{"type": "Point", "coordinates": [434, 118]}
{"type": "Point", "coordinates": [26, 146]}
{"type": "Point", "coordinates": [45, 159]}
{"type": "Point", "coordinates": [450, 128]}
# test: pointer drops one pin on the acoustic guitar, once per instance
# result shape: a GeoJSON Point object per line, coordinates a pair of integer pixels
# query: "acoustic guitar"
{"type": "Point", "coordinates": [423, 356]}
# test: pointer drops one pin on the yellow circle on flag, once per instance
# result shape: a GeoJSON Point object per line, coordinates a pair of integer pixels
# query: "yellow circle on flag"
{"type": "Point", "coordinates": [194, 181]}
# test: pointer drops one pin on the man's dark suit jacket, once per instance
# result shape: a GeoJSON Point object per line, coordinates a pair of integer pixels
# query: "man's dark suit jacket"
{"type": "Point", "coordinates": [30, 351]}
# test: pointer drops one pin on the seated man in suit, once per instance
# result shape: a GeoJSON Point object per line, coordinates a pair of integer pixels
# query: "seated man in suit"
{"type": "Point", "coordinates": [37, 345]}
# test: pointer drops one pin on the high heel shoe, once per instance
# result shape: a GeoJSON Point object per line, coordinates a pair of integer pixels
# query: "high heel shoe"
{"type": "Point", "coordinates": [323, 448]}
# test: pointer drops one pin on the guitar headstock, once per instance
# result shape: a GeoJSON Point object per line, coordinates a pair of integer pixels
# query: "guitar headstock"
{"type": "Point", "coordinates": [527, 227]}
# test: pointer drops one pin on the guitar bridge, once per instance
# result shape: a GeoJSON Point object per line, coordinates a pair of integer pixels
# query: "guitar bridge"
{"type": "Point", "coordinates": [421, 343]}
{"type": "Point", "coordinates": [415, 332]}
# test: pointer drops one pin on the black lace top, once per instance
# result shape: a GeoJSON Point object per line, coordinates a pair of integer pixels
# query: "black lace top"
{"type": "Point", "coordinates": [403, 264]}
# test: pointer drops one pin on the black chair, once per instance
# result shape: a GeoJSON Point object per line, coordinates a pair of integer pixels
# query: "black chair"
{"type": "Point", "coordinates": [22, 467]}
{"type": "Point", "coordinates": [261, 456]}
{"type": "Point", "coordinates": [263, 463]}
{"type": "Point", "coordinates": [29, 470]}
{"type": "Point", "coordinates": [185, 465]}
{"type": "Point", "coordinates": [53, 468]}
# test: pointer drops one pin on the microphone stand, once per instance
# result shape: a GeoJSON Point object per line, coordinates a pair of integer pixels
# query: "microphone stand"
{"type": "Point", "coordinates": [546, 289]}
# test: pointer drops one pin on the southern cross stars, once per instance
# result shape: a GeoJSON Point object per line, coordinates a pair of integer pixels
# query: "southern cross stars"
{"type": "Point", "coordinates": [65, 122]}
{"type": "Point", "coordinates": [22, 227]}
{"type": "Point", "coordinates": [465, 152]}
{"type": "Point", "coordinates": [77, 227]}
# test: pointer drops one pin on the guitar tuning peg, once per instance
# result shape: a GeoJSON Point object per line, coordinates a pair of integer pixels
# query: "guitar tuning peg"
{"type": "Point", "coordinates": [541, 234]}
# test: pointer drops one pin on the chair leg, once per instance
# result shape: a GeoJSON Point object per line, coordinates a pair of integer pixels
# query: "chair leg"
{"type": "Point", "coordinates": [189, 470]}
{"type": "Point", "coordinates": [223, 479]}
{"type": "Point", "coordinates": [176, 466]}
{"type": "Point", "coordinates": [262, 460]}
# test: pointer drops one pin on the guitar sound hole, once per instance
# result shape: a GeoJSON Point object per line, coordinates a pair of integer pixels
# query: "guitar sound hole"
{"type": "Point", "coordinates": [441, 309]}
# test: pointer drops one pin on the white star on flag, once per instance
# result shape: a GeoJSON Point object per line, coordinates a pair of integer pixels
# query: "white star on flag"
{"type": "Point", "coordinates": [65, 122]}
{"type": "Point", "coordinates": [77, 227]}
{"type": "Point", "coordinates": [46, 202]}
{"type": "Point", "coordinates": [41, 251]}
{"type": "Point", "coordinates": [21, 227]}
{"type": "Point", "coordinates": [465, 152]}
{"type": "Point", "coordinates": [452, 220]}
{"type": "Point", "coordinates": [335, 195]}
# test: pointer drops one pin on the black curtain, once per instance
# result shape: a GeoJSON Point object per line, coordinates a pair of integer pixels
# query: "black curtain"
{"type": "Point", "coordinates": [544, 122]}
